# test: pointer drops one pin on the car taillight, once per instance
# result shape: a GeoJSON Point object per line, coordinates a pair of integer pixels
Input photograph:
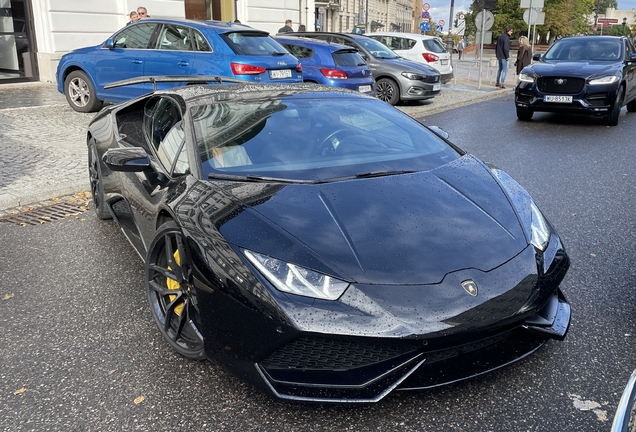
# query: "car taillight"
{"type": "Point", "coordinates": [243, 69]}
{"type": "Point", "coordinates": [334, 73]}
{"type": "Point", "coordinates": [299, 68]}
{"type": "Point", "coordinates": [430, 58]}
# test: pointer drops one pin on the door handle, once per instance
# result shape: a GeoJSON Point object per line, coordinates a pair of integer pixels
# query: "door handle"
{"type": "Point", "coordinates": [184, 63]}
{"type": "Point", "coordinates": [137, 61]}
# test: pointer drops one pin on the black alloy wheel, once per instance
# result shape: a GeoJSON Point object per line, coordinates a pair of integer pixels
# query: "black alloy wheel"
{"type": "Point", "coordinates": [80, 93]}
{"type": "Point", "coordinates": [97, 187]}
{"type": "Point", "coordinates": [170, 291]}
{"type": "Point", "coordinates": [387, 91]}
{"type": "Point", "coordinates": [615, 111]}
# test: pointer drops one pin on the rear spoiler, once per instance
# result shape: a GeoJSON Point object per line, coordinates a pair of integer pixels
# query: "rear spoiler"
{"type": "Point", "coordinates": [192, 79]}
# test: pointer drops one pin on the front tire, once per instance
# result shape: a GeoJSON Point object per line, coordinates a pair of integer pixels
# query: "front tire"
{"type": "Point", "coordinates": [171, 293]}
{"type": "Point", "coordinates": [524, 115]}
{"type": "Point", "coordinates": [615, 112]}
{"type": "Point", "coordinates": [97, 185]}
{"type": "Point", "coordinates": [80, 93]}
{"type": "Point", "coordinates": [387, 91]}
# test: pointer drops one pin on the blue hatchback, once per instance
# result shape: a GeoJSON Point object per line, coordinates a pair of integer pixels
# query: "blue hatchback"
{"type": "Point", "coordinates": [154, 47]}
{"type": "Point", "coordinates": [330, 64]}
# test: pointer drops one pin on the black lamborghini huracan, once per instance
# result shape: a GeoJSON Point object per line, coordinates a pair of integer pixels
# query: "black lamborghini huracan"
{"type": "Point", "coordinates": [320, 243]}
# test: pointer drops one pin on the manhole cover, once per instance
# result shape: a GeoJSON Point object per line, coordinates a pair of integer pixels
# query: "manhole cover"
{"type": "Point", "coordinates": [41, 215]}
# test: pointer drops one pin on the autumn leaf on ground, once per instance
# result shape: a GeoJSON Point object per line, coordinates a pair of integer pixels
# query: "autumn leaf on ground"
{"type": "Point", "coordinates": [19, 391]}
{"type": "Point", "coordinates": [8, 296]}
{"type": "Point", "coordinates": [110, 372]}
{"type": "Point", "coordinates": [139, 399]}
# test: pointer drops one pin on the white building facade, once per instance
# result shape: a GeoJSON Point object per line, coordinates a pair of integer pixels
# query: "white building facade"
{"type": "Point", "coordinates": [34, 34]}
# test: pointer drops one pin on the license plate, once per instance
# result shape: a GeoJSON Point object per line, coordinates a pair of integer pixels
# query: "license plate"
{"type": "Point", "coordinates": [444, 62]}
{"type": "Point", "coordinates": [365, 89]}
{"type": "Point", "coordinates": [280, 74]}
{"type": "Point", "coordinates": [557, 99]}
{"type": "Point", "coordinates": [437, 86]}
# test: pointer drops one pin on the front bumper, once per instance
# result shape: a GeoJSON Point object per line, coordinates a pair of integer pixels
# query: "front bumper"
{"type": "Point", "coordinates": [593, 100]}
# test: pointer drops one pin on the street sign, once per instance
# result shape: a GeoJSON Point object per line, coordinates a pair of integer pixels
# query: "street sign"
{"type": "Point", "coordinates": [461, 17]}
{"type": "Point", "coordinates": [461, 28]}
{"type": "Point", "coordinates": [321, 10]}
{"type": "Point", "coordinates": [532, 16]}
{"type": "Point", "coordinates": [426, 15]}
{"type": "Point", "coordinates": [441, 23]}
{"type": "Point", "coordinates": [525, 4]}
{"type": "Point", "coordinates": [425, 7]}
{"type": "Point", "coordinates": [439, 29]}
{"type": "Point", "coordinates": [489, 20]}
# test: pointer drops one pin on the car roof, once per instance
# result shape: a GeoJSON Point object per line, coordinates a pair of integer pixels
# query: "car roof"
{"type": "Point", "coordinates": [399, 34]}
{"type": "Point", "coordinates": [313, 43]}
{"type": "Point", "coordinates": [218, 26]}
{"type": "Point", "coordinates": [345, 35]}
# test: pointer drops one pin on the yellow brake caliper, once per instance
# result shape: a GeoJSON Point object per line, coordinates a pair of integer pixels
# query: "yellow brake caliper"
{"type": "Point", "coordinates": [174, 285]}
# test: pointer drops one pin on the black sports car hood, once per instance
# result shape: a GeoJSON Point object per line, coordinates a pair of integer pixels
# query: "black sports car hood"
{"type": "Point", "coordinates": [575, 69]}
{"type": "Point", "coordinates": [400, 229]}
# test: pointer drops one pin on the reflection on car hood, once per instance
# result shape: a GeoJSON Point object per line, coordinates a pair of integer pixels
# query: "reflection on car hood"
{"type": "Point", "coordinates": [575, 69]}
{"type": "Point", "coordinates": [405, 65]}
{"type": "Point", "coordinates": [399, 229]}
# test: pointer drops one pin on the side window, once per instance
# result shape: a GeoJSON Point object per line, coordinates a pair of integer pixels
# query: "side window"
{"type": "Point", "coordinates": [174, 38]}
{"type": "Point", "coordinates": [396, 43]}
{"type": "Point", "coordinates": [200, 43]}
{"type": "Point", "coordinates": [298, 51]}
{"type": "Point", "coordinates": [135, 36]}
{"type": "Point", "coordinates": [410, 43]}
{"type": "Point", "coordinates": [164, 128]}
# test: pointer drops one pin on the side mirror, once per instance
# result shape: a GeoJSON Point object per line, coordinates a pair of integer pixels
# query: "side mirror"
{"type": "Point", "coordinates": [109, 44]}
{"type": "Point", "coordinates": [439, 132]}
{"type": "Point", "coordinates": [536, 56]}
{"type": "Point", "coordinates": [131, 159]}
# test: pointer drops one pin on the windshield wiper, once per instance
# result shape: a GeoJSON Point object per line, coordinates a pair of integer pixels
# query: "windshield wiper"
{"type": "Point", "coordinates": [254, 178]}
{"type": "Point", "coordinates": [382, 173]}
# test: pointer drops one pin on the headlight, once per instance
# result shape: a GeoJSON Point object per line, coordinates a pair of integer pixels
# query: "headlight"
{"type": "Point", "coordinates": [534, 223]}
{"type": "Point", "coordinates": [604, 80]}
{"type": "Point", "coordinates": [526, 78]}
{"type": "Point", "coordinates": [413, 76]}
{"type": "Point", "coordinates": [294, 279]}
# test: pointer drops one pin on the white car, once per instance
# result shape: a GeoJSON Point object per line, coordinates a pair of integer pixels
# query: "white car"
{"type": "Point", "coordinates": [418, 48]}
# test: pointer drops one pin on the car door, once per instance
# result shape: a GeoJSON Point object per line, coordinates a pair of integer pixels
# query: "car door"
{"type": "Point", "coordinates": [629, 72]}
{"type": "Point", "coordinates": [123, 57]}
{"type": "Point", "coordinates": [172, 54]}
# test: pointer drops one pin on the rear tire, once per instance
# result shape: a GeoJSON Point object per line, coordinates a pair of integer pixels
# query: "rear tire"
{"type": "Point", "coordinates": [80, 92]}
{"type": "Point", "coordinates": [387, 91]}
{"type": "Point", "coordinates": [524, 115]}
{"type": "Point", "coordinates": [615, 112]}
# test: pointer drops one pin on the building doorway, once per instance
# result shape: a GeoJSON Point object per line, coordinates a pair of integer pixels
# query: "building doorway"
{"type": "Point", "coordinates": [219, 10]}
{"type": "Point", "coordinates": [17, 45]}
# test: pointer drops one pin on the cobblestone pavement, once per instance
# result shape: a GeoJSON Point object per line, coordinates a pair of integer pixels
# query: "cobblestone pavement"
{"type": "Point", "coordinates": [43, 145]}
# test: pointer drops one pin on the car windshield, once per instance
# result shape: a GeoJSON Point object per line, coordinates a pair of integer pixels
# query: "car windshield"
{"type": "Point", "coordinates": [377, 49]}
{"type": "Point", "coordinates": [589, 49]}
{"type": "Point", "coordinates": [312, 139]}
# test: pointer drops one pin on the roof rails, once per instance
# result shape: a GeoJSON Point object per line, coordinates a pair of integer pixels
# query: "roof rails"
{"type": "Point", "coordinates": [192, 79]}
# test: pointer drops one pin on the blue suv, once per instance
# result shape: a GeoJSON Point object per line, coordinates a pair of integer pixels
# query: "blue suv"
{"type": "Point", "coordinates": [162, 47]}
{"type": "Point", "coordinates": [330, 64]}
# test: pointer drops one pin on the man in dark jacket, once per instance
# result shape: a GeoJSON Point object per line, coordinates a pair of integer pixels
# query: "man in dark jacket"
{"type": "Point", "coordinates": [287, 28]}
{"type": "Point", "coordinates": [502, 51]}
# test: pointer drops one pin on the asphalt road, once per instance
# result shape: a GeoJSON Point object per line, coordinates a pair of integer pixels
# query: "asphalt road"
{"type": "Point", "coordinates": [80, 349]}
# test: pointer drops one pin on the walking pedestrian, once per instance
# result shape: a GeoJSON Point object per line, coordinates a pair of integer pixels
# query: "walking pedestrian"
{"type": "Point", "coordinates": [460, 48]}
{"type": "Point", "coordinates": [524, 54]}
{"type": "Point", "coordinates": [287, 27]}
{"type": "Point", "coordinates": [502, 51]}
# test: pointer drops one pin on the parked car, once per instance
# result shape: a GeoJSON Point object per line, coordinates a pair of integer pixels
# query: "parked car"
{"type": "Point", "coordinates": [625, 416]}
{"type": "Point", "coordinates": [419, 48]}
{"type": "Point", "coordinates": [330, 64]}
{"type": "Point", "coordinates": [322, 244]}
{"type": "Point", "coordinates": [171, 47]}
{"type": "Point", "coordinates": [583, 74]}
{"type": "Point", "coordinates": [396, 79]}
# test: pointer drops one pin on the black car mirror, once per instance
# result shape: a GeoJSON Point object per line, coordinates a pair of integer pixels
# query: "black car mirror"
{"type": "Point", "coordinates": [130, 159]}
{"type": "Point", "coordinates": [536, 56]}
{"type": "Point", "coordinates": [109, 44]}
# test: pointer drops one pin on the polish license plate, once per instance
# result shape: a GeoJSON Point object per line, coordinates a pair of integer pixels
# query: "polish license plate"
{"type": "Point", "coordinates": [557, 99]}
{"type": "Point", "coordinates": [437, 86]}
{"type": "Point", "coordinates": [443, 62]}
{"type": "Point", "coordinates": [365, 89]}
{"type": "Point", "coordinates": [280, 74]}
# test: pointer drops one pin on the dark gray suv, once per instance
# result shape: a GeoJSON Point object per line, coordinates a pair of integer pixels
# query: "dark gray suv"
{"type": "Point", "coordinates": [397, 79]}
